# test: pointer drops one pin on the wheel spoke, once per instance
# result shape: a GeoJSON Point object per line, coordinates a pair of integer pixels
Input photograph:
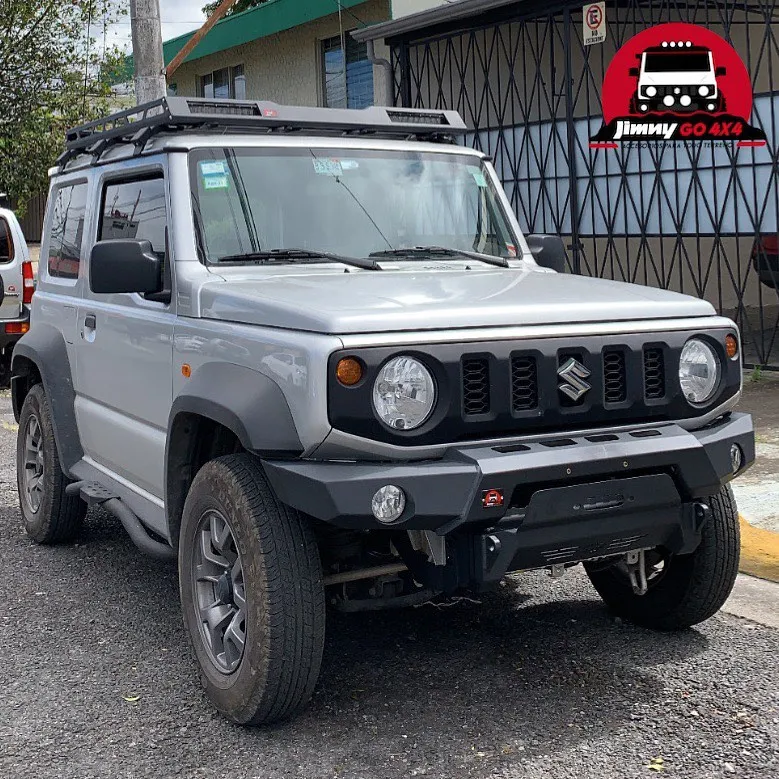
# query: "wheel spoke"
{"type": "Point", "coordinates": [205, 573]}
{"type": "Point", "coordinates": [209, 552]}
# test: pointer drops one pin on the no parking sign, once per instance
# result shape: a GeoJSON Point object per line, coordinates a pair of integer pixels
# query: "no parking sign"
{"type": "Point", "coordinates": [594, 23]}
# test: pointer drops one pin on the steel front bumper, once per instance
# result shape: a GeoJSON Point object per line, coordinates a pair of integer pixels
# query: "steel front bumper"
{"type": "Point", "coordinates": [445, 494]}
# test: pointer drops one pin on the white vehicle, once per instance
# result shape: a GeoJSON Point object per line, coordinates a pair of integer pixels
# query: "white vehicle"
{"type": "Point", "coordinates": [18, 283]}
{"type": "Point", "coordinates": [678, 77]}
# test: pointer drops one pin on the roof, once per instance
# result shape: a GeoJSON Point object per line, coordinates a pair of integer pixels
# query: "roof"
{"type": "Point", "coordinates": [271, 17]}
{"type": "Point", "coordinates": [449, 12]}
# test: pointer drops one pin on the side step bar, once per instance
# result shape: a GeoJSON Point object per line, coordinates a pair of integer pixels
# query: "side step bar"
{"type": "Point", "coordinates": [94, 494]}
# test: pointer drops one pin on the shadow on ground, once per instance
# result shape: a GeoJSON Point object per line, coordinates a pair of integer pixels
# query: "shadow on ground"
{"type": "Point", "coordinates": [514, 677]}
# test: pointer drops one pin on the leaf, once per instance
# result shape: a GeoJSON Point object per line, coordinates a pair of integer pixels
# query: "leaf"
{"type": "Point", "coordinates": [131, 698]}
{"type": "Point", "coordinates": [656, 764]}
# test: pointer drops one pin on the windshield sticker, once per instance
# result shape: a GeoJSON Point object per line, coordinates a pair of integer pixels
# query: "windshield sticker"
{"type": "Point", "coordinates": [478, 176]}
{"type": "Point", "coordinates": [211, 168]}
{"type": "Point", "coordinates": [216, 182]}
{"type": "Point", "coordinates": [328, 167]}
{"type": "Point", "coordinates": [349, 164]}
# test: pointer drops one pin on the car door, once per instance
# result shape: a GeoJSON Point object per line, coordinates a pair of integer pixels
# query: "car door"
{"type": "Point", "coordinates": [124, 352]}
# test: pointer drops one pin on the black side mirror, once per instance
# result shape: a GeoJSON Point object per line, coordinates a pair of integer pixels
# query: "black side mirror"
{"type": "Point", "coordinates": [633, 72]}
{"type": "Point", "coordinates": [548, 251]}
{"type": "Point", "coordinates": [720, 71]}
{"type": "Point", "coordinates": [124, 266]}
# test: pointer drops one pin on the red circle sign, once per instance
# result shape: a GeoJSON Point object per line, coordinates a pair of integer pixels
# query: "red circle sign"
{"type": "Point", "coordinates": [619, 83]}
{"type": "Point", "coordinates": [594, 17]}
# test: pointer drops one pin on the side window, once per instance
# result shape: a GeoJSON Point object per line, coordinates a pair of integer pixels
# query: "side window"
{"type": "Point", "coordinates": [135, 209]}
{"type": "Point", "coordinates": [6, 241]}
{"type": "Point", "coordinates": [66, 231]}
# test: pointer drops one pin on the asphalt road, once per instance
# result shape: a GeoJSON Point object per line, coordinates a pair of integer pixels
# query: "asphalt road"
{"type": "Point", "coordinates": [537, 680]}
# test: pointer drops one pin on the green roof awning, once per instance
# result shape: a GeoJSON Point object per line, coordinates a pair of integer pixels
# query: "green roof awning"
{"type": "Point", "coordinates": [267, 19]}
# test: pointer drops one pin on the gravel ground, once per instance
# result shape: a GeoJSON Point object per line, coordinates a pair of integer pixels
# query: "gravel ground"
{"type": "Point", "coordinates": [537, 680]}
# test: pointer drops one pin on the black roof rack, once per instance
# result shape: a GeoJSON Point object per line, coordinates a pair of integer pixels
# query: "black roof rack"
{"type": "Point", "coordinates": [169, 114]}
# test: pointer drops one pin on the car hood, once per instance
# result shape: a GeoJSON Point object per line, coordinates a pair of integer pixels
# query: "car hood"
{"type": "Point", "coordinates": [330, 301]}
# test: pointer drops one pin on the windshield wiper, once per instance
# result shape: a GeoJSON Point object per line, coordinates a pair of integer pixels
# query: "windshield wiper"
{"type": "Point", "coordinates": [296, 255]}
{"type": "Point", "coordinates": [434, 252]}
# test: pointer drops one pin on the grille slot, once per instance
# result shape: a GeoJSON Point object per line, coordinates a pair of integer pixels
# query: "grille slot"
{"type": "Point", "coordinates": [654, 373]}
{"type": "Point", "coordinates": [614, 377]}
{"type": "Point", "coordinates": [476, 385]}
{"type": "Point", "coordinates": [524, 383]}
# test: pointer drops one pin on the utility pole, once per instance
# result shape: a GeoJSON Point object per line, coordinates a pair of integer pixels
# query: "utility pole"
{"type": "Point", "coordinates": [147, 50]}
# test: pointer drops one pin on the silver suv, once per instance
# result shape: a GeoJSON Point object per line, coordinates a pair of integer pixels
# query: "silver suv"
{"type": "Point", "coordinates": [309, 354]}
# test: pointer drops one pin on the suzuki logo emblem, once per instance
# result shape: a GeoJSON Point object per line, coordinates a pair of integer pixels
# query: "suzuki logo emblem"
{"type": "Point", "coordinates": [573, 375]}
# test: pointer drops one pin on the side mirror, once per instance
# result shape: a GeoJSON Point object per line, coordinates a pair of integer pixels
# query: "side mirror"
{"type": "Point", "coordinates": [124, 266]}
{"type": "Point", "coordinates": [633, 72]}
{"type": "Point", "coordinates": [548, 251]}
{"type": "Point", "coordinates": [720, 71]}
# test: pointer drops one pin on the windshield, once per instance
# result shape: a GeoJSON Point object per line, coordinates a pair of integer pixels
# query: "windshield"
{"type": "Point", "coordinates": [677, 62]}
{"type": "Point", "coordinates": [347, 202]}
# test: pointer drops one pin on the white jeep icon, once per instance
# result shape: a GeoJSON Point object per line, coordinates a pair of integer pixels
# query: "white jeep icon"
{"type": "Point", "coordinates": [677, 76]}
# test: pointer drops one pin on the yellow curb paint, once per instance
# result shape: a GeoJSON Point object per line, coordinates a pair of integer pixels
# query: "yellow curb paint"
{"type": "Point", "coordinates": [759, 551]}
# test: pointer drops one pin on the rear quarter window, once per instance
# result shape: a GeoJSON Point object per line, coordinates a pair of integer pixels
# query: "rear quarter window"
{"type": "Point", "coordinates": [6, 241]}
{"type": "Point", "coordinates": [66, 231]}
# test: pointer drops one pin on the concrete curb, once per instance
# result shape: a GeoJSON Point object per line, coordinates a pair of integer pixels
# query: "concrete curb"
{"type": "Point", "coordinates": [759, 552]}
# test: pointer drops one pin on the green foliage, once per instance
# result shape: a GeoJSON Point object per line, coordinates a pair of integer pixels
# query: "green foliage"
{"type": "Point", "coordinates": [236, 8]}
{"type": "Point", "coordinates": [55, 72]}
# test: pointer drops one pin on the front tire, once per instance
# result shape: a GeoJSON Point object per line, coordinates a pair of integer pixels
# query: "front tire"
{"type": "Point", "coordinates": [49, 515]}
{"type": "Point", "coordinates": [692, 587]}
{"type": "Point", "coordinates": [251, 593]}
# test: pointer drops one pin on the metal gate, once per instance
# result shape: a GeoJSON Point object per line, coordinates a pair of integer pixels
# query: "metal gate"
{"type": "Point", "coordinates": [693, 217]}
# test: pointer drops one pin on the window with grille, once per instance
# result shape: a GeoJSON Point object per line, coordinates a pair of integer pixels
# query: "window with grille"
{"type": "Point", "coordinates": [346, 84]}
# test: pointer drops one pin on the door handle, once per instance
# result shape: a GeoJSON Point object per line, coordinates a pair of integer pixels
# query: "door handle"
{"type": "Point", "coordinates": [90, 322]}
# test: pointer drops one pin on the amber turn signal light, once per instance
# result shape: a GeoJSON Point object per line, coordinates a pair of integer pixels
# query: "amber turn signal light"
{"type": "Point", "coordinates": [731, 346]}
{"type": "Point", "coordinates": [348, 371]}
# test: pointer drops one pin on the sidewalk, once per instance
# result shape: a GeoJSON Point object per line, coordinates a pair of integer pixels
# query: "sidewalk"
{"type": "Point", "coordinates": [757, 491]}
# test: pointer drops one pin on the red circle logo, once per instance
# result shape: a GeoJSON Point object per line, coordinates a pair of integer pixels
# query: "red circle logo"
{"type": "Point", "coordinates": [677, 69]}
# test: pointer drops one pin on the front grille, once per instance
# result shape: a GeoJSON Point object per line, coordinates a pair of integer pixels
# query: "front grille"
{"type": "Point", "coordinates": [614, 377]}
{"type": "Point", "coordinates": [476, 386]}
{"type": "Point", "coordinates": [524, 383]}
{"type": "Point", "coordinates": [507, 387]}
{"type": "Point", "coordinates": [654, 373]}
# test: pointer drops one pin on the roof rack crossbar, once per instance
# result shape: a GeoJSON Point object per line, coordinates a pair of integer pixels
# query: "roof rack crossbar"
{"type": "Point", "coordinates": [179, 113]}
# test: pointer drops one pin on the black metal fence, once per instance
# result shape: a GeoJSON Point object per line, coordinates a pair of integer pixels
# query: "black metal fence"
{"type": "Point", "coordinates": [697, 217]}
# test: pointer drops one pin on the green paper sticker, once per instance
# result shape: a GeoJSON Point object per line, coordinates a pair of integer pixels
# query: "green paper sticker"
{"type": "Point", "coordinates": [216, 182]}
{"type": "Point", "coordinates": [481, 181]}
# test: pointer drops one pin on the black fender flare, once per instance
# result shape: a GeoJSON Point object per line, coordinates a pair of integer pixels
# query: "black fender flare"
{"type": "Point", "coordinates": [243, 400]}
{"type": "Point", "coordinates": [248, 403]}
{"type": "Point", "coordinates": [44, 347]}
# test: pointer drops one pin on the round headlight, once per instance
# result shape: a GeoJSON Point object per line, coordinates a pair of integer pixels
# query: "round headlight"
{"type": "Point", "coordinates": [650, 91]}
{"type": "Point", "coordinates": [404, 393]}
{"type": "Point", "coordinates": [699, 371]}
{"type": "Point", "coordinates": [703, 90]}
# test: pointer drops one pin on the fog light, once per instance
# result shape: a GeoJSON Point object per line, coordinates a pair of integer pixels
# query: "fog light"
{"type": "Point", "coordinates": [388, 503]}
{"type": "Point", "coordinates": [736, 457]}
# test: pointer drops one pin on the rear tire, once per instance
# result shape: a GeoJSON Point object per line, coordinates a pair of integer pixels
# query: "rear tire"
{"type": "Point", "coordinates": [693, 588]}
{"type": "Point", "coordinates": [251, 593]}
{"type": "Point", "coordinates": [49, 515]}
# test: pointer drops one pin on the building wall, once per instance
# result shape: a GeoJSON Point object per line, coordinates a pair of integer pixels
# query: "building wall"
{"type": "Point", "coordinates": [287, 67]}
{"type": "Point", "coordinates": [406, 7]}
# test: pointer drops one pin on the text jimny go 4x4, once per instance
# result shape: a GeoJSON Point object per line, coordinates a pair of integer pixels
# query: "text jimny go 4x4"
{"type": "Point", "coordinates": [311, 350]}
